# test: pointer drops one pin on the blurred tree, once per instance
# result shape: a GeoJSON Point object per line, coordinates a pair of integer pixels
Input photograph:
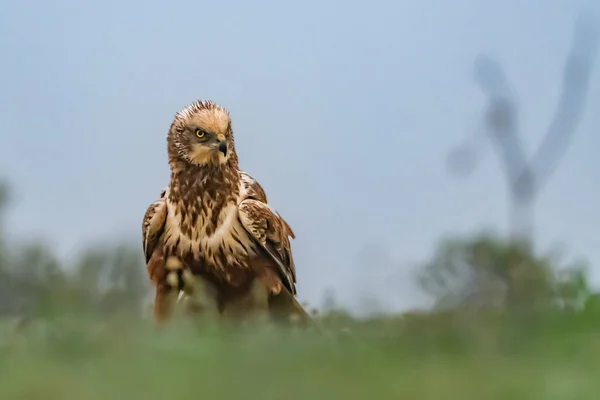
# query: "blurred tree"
{"type": "Point", "coordinates": [127, 280]}
{"type": "Point", "coordinates": [525, 175]}
{"type": "Point", "coordinates": [36, 270]}
{"type": "Point", "coordinates": [12, 291]}
{"type": "Point", "coordinates": [87, 280]}
{"type": "Point", "coordinates": [36, 263]}
{"type": "Point", "coordinates": [3, 204]}
{"type": "Point", "coordinates": [88, 270]}
{"type": "Point", "coordinates": [105, 279]}
{"type": "Point", "coordinates": [487, 272]}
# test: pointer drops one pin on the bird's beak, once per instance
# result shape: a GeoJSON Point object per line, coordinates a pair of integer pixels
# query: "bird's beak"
{"type": "Point", "coordinates": [223, 147]}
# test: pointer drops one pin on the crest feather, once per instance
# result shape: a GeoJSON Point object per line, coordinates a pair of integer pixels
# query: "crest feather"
{"type": "Point", "coordinates": [185, 113]}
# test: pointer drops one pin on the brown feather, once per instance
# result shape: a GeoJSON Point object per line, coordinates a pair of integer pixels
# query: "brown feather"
{"type": "Point", "coordinates": [215, 218]}
{"type": "Point", "coordinates": [269, 232]}
{"type": "Point", "coordinates": [153, 225]}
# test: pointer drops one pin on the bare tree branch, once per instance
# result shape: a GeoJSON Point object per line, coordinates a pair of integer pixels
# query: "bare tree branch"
{"type": "Point", "coordinates": [501, 119]}
{"type": "Point", "coordinates": [525, 178]}
{"type": "Point", "coordinates": [571, 104]}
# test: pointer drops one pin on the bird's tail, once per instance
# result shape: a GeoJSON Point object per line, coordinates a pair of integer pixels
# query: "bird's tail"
{"type": "Point", "coordinates": [285, 307]}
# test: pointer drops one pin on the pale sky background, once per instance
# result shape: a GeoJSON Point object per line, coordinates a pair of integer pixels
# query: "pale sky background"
{"type": "Point", "coordinates": [345, 111]}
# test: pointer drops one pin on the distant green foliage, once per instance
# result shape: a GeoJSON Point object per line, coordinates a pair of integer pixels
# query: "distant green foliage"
{"type": "Point", "coordinates": [104, 280]}
{"type": "Point", "coordinates": [489, 272]}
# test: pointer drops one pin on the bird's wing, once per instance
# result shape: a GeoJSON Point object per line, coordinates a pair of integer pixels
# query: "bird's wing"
{"type": "Point", "coordinates": [153, 225]}
{"type": "Point", "coordinates": [268, 229]}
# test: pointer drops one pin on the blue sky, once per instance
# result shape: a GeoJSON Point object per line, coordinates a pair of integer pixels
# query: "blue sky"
{"type": "Point", "coordinates": [344, 111]}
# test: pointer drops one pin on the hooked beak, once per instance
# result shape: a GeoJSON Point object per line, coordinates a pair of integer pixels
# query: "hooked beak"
{"type": "Point", "coordinates": [223, 147]}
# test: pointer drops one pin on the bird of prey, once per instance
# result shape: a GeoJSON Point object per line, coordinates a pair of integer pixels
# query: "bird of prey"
{"type": "Point", "coordinates": [212, 224]}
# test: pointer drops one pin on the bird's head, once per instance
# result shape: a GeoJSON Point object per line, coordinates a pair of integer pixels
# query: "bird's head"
{"type": "Point", "coordinates": [201, 134]}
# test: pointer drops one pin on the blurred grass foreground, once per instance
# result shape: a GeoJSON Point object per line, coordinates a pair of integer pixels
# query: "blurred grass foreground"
{"type": "Point", "coordinates": [435, 356]}
{"type": "Point", "coordinates": [506, 324]}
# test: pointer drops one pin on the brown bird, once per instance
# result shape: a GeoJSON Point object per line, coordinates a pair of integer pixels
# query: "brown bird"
{"type": "Point", "coordinates": [212, 225]}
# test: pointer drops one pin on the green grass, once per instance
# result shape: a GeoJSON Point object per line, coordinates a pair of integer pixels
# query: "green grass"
{"type": "Point", "coordinates": [423, 357]}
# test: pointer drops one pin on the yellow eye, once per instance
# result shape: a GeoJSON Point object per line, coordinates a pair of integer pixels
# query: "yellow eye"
{"type": "Point", "coordinates": [200, 133]}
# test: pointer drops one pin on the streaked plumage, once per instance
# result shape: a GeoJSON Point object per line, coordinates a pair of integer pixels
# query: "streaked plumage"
{"type": "Point", "coordinates": [215, 219]}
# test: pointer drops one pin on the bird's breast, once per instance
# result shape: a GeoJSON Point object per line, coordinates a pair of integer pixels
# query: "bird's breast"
{"type": "Point", "coordinates": [216, 245]}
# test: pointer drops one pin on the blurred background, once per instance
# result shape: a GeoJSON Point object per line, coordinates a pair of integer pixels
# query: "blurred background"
{"type": "Point", "coordinates": [426, 153]}
{"type": "Point", "coordinates": [437, 161]}
{"type": "Point", "coordinates": [349, 114]}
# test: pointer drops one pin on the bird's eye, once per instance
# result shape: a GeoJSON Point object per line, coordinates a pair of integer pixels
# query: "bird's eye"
{"type": "Point", "coordinates": [200, 133]}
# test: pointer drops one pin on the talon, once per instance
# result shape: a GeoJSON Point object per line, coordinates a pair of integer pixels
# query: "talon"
{"type": "Point", "coordinates": [188, 278]}
{"type": "Point", "coordinates": [173, 280]}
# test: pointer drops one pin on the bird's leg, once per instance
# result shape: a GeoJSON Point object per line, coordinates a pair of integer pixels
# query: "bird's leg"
{"type": "Point", "coordinates": [167, 278]}
{"type": "Point", "coordinates": [164, 299]}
